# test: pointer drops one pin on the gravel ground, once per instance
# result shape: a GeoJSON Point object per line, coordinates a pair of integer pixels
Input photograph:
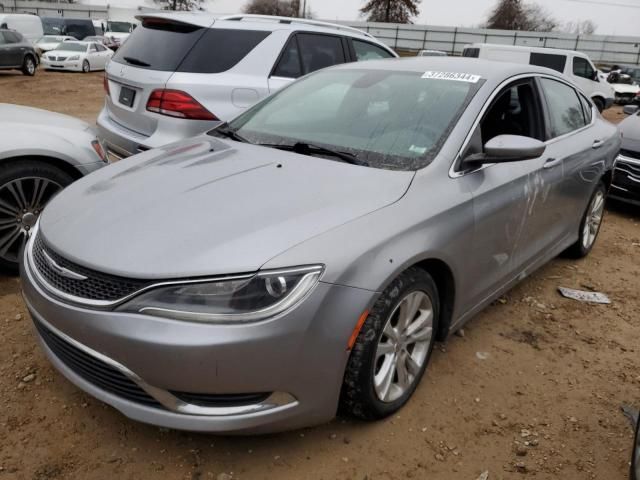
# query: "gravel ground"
{"type": "Point", "coordinates": [532, 389]}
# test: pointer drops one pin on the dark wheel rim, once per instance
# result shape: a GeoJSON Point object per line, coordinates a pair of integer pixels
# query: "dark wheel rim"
{"type": "Point", "coordinates": [21, 201]}
{"type": "Point", "coordinates": [31, 67]}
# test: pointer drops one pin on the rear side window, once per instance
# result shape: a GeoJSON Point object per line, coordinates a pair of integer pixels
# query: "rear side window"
{"type": "Point", "coordinates": [219, 50]}
{"type": "Point", "coordinates": [288, 65]}
{"type": "Point", "coordinates": [582, 68]}
{"type": "Point", "coordinates": [369, 51]}
{"type": "Point", "coordinates": [565, 107]}
{"type": "Point", "coordinates": [12, 37]}
{"type": "Point", "coordinates": [319, 51]}
{"type": "Point", "coordinates": [471, 52]}
{"type": "Point", "coordinates": [555, 62]}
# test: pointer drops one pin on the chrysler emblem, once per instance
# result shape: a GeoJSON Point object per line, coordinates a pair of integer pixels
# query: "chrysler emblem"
{"type": "Point", "coordinates": [62, 271]}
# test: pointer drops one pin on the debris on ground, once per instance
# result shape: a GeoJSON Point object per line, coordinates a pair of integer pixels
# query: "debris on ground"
{"type": "Point", "coordinates": [482, 355]}
{"type": "Point", "coordinates": [582, 296]}
{"type": "Point", "coordinates": [484, 475]}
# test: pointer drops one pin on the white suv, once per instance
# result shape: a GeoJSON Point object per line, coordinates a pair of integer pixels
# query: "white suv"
{"type": "Point", "coordinates": [180, 74]}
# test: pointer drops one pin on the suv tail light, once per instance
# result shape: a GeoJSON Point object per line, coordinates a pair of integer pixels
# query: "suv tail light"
{"type": "Point", "coordinates": [175, 103]}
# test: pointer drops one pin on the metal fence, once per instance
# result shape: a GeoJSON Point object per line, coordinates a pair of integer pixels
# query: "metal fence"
{"type": "Point", "coordinates": [51, 9]}
{"type": "Point", "coordinates": [600, 48]}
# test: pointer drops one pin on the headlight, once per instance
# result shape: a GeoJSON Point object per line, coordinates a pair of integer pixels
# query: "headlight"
{"type": "Point", "coordinates": [246, 298]}
{"type": "Point", "coordinates": [75, 57]}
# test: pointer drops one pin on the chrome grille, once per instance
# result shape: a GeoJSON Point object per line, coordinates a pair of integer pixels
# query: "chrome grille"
{"type": "Point", "coordinates": [97, 286]}
{"type": "Point", "coordinates": [630, 154]}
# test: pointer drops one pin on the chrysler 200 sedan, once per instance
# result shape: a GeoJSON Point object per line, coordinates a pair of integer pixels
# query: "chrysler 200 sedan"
{"type": "Point", "coordinates": [304, 258]}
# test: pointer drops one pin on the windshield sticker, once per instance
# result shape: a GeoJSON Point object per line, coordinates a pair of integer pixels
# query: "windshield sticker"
{"type": "Point", "coordinates": [456, 77]}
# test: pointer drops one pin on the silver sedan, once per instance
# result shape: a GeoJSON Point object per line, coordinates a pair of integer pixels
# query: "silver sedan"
{"type": "Point", "coordinates": [305, 257]}
{"type": "Point", "coordinates": [41, 152]}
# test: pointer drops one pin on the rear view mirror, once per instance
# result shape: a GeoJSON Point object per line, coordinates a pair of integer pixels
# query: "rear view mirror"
{"type": "Point", "coordinates": [508, 148]}
{"type": "Point", "coordinates": [631, 109]}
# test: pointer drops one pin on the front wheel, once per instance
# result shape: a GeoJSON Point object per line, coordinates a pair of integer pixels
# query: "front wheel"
{"type": "Point", "coordinates": [590, 224]}
{"type": "Point", "coordinates": [599, 103]}
{"type": "Point", "coordinates": [25, 188]}
{"type": "Point", "coordinates": [29, 66]}
{"type": "Point", "coordinates": [393, 347]}
{"type": "Point", "coordinates": [86, 68]}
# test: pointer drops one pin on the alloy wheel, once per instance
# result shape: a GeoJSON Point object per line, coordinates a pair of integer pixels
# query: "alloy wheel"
{"type": "Point", "coordinates": [21, 201]}
{"type": "Point", "coordinates": [593, 220]}
{"type": "Point", "coordinates": [31, 66]}
{"type": "Point", "coordinates": [403, 346]}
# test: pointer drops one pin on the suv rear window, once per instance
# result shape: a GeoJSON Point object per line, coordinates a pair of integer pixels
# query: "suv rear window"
{"type": "Point", "coordinates": [187, 48]}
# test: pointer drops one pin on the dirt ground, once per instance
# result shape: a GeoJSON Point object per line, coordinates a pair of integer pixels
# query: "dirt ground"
{"type": "Point", "coordinates": [532, 389]}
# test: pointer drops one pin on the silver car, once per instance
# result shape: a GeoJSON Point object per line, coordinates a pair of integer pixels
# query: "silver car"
{"type": "Point", "coordinates": [180, 74]}
{"type": "Point", "coordinates": [41, 152]}
{"type": "Point", "coordinates": [306, 256]}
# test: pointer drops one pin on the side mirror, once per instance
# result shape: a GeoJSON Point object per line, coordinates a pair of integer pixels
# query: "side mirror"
{"type": "Point", "coordinates": [508, 148]}
{"type": "Point", "coordinates": [631, 109]}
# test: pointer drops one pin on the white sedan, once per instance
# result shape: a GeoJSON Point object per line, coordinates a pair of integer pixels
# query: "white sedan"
{"type": "Point", "coordinates": [77, 57]}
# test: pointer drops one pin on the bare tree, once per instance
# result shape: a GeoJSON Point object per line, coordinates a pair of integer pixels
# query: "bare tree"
{"type": "Point", "coordinates": [516, 15]}
{"type": "Point", "coordinates": [179, 5]}
{"type": "Point", "coordinates": [279, 8]}
{"type": "Point", "coordinates": [391, 11]}
{"type": "Point", "coordinates": [585, 27]}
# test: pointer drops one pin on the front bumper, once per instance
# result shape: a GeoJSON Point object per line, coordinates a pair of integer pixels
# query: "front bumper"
{"type": "Point", "coordinates": [626, 180]}
{"type": "Point", "coordinates": [298, 359]}
{"type": "Point", "coordinates": [73, 66]}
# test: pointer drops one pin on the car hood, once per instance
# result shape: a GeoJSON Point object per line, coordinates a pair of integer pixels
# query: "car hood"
{"type": "Point", "coordinates": [67, 53]}
{"type": "Point", "coordinates": [625, 88]}
{"type": "Point", "coordinates": [11, 116]}
{"type": "Point", "coordinates": [630, 128]}
{"type": "Point", "coordinates": [206, 207]}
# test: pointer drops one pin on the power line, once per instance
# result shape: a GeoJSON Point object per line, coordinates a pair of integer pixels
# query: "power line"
{"type": "Point", "coordinates": [608, 4]}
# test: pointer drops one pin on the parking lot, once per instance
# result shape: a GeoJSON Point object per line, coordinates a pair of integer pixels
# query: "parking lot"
{"type": "Point", "coordinates": [532, 388]}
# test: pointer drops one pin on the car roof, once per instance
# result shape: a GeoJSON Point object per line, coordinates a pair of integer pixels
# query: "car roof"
{"type": "Point", "coordinates": [492, 71]}
{"type": "Point", "coordinates": [257, 22]}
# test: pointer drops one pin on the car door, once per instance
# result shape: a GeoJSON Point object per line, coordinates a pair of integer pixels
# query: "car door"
{"type": "Point", "coordinates": [13, 49]}
{"type": "Point", "coordinates": [304, 53]}
{"type": "Point", "coordinates": [5, 52]}
{"type": "Point", "coordinates": [578, 148]}
{"type": "Point", "coordinates": [504, 194]}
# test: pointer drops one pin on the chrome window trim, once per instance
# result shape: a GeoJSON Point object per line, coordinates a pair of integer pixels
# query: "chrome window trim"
{"type": "Point", "coordinates": [454, 173]}
{"type": "Point", "coordinates": [105, 304]}
{"type": "Point", "coordinates": [166, 398]}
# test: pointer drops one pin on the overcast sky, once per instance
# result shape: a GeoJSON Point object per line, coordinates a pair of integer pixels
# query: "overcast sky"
{"type": "Point", "coordinates": [611, 19]}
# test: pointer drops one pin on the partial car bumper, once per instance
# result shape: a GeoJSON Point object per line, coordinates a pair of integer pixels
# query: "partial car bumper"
{"type": "Point", "coordinates": [123, 142]}
{"type": "Point", "coordinates": [73, 66]}
{"type": "Point", "coordinates": [270, 376]}
{"type": "Point", "coordinates": [626, 178]}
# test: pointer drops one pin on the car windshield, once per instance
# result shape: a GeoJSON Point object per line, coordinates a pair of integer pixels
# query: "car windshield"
{"type": "Point", "coordinates": [119, 27]}
{"type": "Point", "coordinates": [384, 119]}
{"type": "Point", "coordinates": [634, 73]}
{"type": "Point", "coordinates": [72, 47]}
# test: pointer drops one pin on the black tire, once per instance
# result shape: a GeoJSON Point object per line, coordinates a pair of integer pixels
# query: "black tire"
{"type": "Point", "coordinates": [581, 248]}
{"type": "Point", "coordinates": [599, 103]}
{"type": "Point", "coordinates": [24, 172]}
{"type": "Point", "coordinates": [29, 66]}
{"type": "Point", "coordinates": [358, 396]}
{"type": "Point", "coordinates": [86, 68]}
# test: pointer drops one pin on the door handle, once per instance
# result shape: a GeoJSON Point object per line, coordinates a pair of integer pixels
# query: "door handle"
{"type": "Point", "coordinates": [598, 144]}
{"type": "Point", "coordinates": [552, 162]}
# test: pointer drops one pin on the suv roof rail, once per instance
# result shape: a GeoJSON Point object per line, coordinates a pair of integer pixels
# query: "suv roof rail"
{"type": "Point", "coordinates": [290, 20]}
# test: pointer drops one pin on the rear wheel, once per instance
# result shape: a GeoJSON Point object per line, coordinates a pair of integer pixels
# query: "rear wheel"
{"type": "Point", "coordinates": [86, 68]}
{"type": "Point", "coordinates": [25, 188]}
{"type": "Point", "coordinates": [29, 66]}
{"type": "Point", "coordinates": [393, 348]}
{"type": "Point", "coordinates": [590, 224]}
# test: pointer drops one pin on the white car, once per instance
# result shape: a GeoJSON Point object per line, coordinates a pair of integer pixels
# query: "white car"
{"type": "Point", "coordinates": [119, 31]}
{"type": "Point", "coordinates": [49, 42]}
{"type": "Point", "coordinates": [77, 57]}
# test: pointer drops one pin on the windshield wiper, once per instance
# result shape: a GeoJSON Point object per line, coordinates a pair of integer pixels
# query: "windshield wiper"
{"type": "Point", "coordinates": [226, 131]}
{"type": "Point", "coordinates": [311, 149]}
{"type": "Point", "coordinates": [135, 61]}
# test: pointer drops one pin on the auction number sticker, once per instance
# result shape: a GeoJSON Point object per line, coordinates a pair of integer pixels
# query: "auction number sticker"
{"type": "Point", "coordinates": [456, 77]}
